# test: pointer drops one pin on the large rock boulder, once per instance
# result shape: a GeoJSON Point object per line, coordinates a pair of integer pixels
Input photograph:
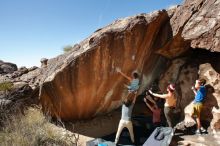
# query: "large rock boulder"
{"type": "Point", "coordinates": [83, 83]}
{"type": "Point", "coordinates": [198, 22]}
{"type": "Point", "coordinates": [6, 67]}
{"type": "Point", "coordinates": [18, 89]}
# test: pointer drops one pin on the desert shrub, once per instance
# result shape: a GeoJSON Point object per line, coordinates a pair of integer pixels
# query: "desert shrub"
{"type": "Point", "coordinates": [34, 128]}
{"type": "Point", "coordinates": [67, 48]}
{"type": "Point", "coordinates": [6, 86]}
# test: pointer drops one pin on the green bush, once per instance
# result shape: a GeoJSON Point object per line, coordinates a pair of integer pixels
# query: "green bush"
{"type": "Point", "coordinates": [67, 48]}
{"type": "Point", "coordinates": [6, 86]}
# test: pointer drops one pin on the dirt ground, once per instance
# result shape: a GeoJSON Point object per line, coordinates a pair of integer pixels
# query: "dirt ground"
{"type": "Point", "coordinates": [105, 126]}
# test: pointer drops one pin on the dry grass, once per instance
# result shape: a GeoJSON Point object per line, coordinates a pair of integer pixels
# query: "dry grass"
{"type": "Point", "coordinates": [6, 86]}
{"type": "Point", "coordinates": [34, 129]}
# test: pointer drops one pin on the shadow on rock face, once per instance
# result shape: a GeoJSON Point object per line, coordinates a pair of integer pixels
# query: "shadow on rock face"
{"type": "Point", "coordinates": [209, 103]}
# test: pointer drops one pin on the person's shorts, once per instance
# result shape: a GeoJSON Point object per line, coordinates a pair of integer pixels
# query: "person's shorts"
{"type": "Point", "coordinates": [197, 108]}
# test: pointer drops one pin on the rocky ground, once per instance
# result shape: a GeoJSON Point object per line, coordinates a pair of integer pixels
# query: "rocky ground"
{"type": "Point", "coordinates": [196, 140]}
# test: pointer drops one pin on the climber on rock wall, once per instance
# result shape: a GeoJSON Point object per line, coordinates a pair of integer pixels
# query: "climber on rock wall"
{"type": "Point", "coordinates": [127, 107]}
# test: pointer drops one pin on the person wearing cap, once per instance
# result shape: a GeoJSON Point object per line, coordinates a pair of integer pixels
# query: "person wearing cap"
{"type": "Point", "coordinates": [200, 93]}
{"type": "Point", "coordinates": [170, 103]}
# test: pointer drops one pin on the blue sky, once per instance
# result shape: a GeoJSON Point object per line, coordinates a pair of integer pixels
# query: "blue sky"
{"type": "Point", "coordinates": [33, 29]}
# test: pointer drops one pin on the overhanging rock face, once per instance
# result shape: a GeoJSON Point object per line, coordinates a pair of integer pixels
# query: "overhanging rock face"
{"type": "Point", "coordinates": [83, 83]}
